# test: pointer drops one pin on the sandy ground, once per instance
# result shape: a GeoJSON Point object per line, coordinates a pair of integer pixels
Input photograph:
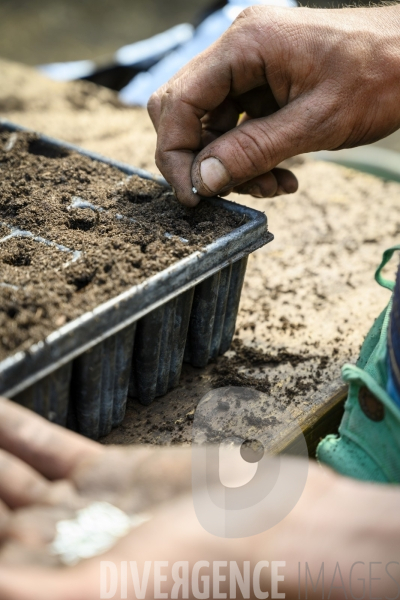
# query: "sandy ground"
{"type": "Point", "coordinates": [310, 292]}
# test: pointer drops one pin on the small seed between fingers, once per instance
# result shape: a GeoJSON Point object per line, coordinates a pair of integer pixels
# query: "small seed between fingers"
{"type": "Point", "coordinates": [194, 190]}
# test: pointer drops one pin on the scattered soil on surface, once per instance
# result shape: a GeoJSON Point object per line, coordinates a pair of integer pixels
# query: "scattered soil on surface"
{"type": "Point", "coordinates": [82, 233]}
{"type": "Point", "coordinates": [243, 366]}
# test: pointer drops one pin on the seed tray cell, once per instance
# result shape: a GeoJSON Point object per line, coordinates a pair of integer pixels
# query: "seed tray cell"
{"type": "Point", "coordinates": [134, 344]}
{"type": "Point", "coordinates": [61, 255]}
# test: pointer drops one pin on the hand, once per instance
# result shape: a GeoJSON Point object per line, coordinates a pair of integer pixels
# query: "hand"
{"type": "Point", "coordinates": [278, 83]}
{"type": "Point", "coordinates": [46, 473]}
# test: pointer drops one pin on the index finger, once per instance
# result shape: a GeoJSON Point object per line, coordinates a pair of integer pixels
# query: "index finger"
{"type": "Point", "coordinates": [50, 449]}
{"type": "Point", "coordinates": [177, 109]}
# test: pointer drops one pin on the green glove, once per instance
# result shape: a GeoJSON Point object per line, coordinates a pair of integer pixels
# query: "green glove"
{"type": "Point", "coordinates": [368, 444]}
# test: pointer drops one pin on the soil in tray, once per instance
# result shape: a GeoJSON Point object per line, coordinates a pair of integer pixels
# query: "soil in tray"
{"type": "Point", "coordinates": [76, 232]}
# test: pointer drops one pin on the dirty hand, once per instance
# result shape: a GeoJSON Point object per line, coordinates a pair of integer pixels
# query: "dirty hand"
{"type": "Point", "coordinates": [46, 473]}
{"type": "Point", "coordinates": [278, 83]}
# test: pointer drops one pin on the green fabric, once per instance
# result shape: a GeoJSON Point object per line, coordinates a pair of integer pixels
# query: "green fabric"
{"type": "Point", "coordinates": [367, 449]}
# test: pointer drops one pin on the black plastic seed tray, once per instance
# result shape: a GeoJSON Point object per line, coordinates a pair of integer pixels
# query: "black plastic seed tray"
{"type": "Point", "coordinates": [81, 374]}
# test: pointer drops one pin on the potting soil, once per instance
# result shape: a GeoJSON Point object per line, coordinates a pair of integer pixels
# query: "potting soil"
{"type": "Point", "coordinates": [75, 232]}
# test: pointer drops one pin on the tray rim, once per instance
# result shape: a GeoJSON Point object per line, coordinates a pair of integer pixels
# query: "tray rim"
{"type": "Point", "coordinates": [226, 250]}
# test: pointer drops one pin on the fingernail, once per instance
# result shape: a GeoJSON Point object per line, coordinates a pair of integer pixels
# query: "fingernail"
{"type": "Point", "coordinates": [280, 191]}
{"type": "Point", "coordinates": [255, 191]}
{"type": "Point", "coordinates": [213, 174]}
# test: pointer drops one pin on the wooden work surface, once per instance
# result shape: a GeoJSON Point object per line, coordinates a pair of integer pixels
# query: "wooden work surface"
{"type": "Point", "coordinates": [309, 297]}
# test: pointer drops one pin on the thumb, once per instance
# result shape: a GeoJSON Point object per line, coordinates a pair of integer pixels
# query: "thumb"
{"type": "Point", "coordinates": [258, 145]}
